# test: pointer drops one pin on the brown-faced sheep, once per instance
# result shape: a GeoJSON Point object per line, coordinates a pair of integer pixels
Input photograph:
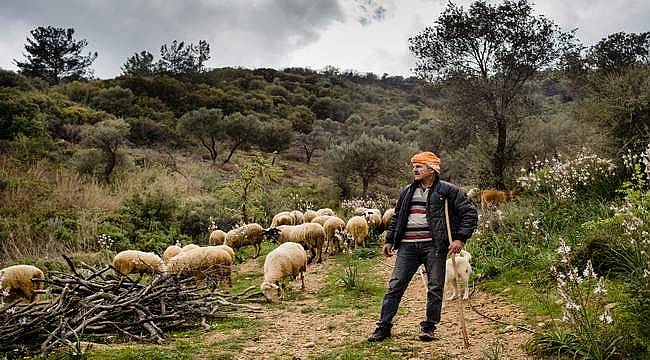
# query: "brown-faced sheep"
{"type": "Point", "coordinates": [287, 260]}
{"type": "Point", "coordinates": [140, 262]}
{"type": "Point", "coordinates": [310, 235]}
{"type": "Point", "coordinates": [171, 251]}
{"type": "Point", "coordinates": [357, 226]}
{"type": "Point", "coordinates": [203, 262]}
{"type": "Point", "coordinates": [17, 281]}
{"type": "Point", "coordinates": [333, 224]}
{"type": "Point", "coordinates": [217, 237]}
{"type": "Point", "coordinates": [249, 234]}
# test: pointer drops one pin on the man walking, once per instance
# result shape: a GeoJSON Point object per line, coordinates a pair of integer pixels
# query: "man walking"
{"type": "Point", "coordinates": [418, 231]}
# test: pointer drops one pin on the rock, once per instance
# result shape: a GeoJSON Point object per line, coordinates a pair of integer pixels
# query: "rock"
{"type": "Point", "coordinates": [310, 344]}
{"type": "Point", "coordinates": [251, 349]}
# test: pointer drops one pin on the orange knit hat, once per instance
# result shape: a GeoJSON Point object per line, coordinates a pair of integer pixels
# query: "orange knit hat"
{"type": "Point", "coordinates": [427, 158]}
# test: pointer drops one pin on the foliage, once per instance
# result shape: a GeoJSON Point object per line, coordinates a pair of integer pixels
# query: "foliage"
{"type": "Point", "coordinates": [107, 136]}
{"type": "Point", "coordinates": [53, 55]}
{"type": "Point", "coordinates": [241, 130]}
{"type": "Point", "coordinates": [20, 114]}
{"type": "Point", "coordinates": [179, 58]}
{"type": "Point", "coordinates": [139, 64]}
{"type": "Point", "coordinates": [206, 125]}
{"type": "Point", "coordinates": [254, 175]}
{"type": "Point", "coordinates": [514, 45]}
{"type": "Point", "coordinates": [619, 51]}
{"type": "Point", "coordinates": [585, 175]}
{"type": "Point", "coordinates": [585, 331]}
{"type": "Point", "coordinates": [367, 158]}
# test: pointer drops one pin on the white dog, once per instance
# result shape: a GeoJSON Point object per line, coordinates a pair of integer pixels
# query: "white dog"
{"type": "Point", "coordinates": [463, 270]}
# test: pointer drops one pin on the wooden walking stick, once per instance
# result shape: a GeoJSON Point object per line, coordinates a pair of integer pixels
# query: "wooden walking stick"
{"type": "Point", "coordinates": [461, 307]}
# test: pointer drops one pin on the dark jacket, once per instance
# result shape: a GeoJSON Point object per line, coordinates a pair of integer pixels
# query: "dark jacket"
{"type": "Point", "coordinates": [462, 214]}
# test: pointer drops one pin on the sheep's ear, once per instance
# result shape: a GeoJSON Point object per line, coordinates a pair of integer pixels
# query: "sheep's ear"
{"type": "Point", "coordinates": [275, 286]}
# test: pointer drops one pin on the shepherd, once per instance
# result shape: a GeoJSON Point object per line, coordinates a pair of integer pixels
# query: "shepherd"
{"type": "Point", "coordinates": [417, 231]}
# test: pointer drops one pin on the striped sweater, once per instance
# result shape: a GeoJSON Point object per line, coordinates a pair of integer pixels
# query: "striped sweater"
{"type": "Point", "coordinates": [417, 226]}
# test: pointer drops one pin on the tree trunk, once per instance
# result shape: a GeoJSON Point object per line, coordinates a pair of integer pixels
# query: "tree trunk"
{"type": "Point", "coordinates": [364, 182]}
{"type": "Point", "coordinates": [308, 153]}
{"type": "Point", "coordinates": [499, 160]}
{"type": "Point", "coordinates": [244, 210]}
{"type": "Point", "coordinates": [232, 151]}
{"type": "Point", "coordinates": [110, 165]}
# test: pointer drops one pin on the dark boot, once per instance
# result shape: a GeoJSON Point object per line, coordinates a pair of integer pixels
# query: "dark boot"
{"type": "Point", "coordinates": [381, 333]}
{"type": "Point", "coordinates": [426, 335]}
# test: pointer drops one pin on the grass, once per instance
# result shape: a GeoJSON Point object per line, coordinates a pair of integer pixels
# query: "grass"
{"type": "Point", "coordinates": [352, 284]}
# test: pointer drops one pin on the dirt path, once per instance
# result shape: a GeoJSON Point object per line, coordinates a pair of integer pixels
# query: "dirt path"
{"type": "Point", "coordinates": [299, 334]}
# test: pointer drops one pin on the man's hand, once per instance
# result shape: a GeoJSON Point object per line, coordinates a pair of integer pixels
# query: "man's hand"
{"type": "Point", "coordinates": [456, 246]}
{"type": "Point", "coordinates": [387, 250]}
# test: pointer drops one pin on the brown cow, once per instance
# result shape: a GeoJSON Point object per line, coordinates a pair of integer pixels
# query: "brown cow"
{"type": "Point", "coordinates": [492, 197]}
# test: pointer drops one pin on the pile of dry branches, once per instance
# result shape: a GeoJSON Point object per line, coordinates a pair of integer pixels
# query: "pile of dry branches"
{"type": "Point", "coordinates": [99, 304]}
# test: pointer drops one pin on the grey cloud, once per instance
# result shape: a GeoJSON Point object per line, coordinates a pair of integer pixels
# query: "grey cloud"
{"type": "Point", "coordinates": [250, 33]}
{"type": "Point", "coordinates": [372, 10]}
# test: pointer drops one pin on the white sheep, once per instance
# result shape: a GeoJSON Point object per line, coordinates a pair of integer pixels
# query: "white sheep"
{"type": "Point", "coordinates": [17, 281]}
{"type": "Point", "coordinates": [357, 226]}
{"type": "Point", "coordinates": [202, 262]}
{"type": "Point", "coordinates": [217, 237]}
{"type": "Point", "coordinates": [282, 218]}
{"type": "Point", "coordinates": [287, 260]}
{"type": "Point", "coordinates": [171, 251]}
{"type": "Point", "coordinates": [134, 261]}
{"type": "Point", "coordinates": [333, 224]}
{"type": "Point", "coordinates": [309, 215]}
{"type": "Point", "coordinates": [310, 235]}
{"type": "Point", "coordinates": [325, 211]}
{"type": "Point", "coordinates": [249, 234]}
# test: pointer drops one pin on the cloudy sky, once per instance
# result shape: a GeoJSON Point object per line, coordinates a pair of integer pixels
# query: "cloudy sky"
{"type": "Point", "coordinates": [363, 35]}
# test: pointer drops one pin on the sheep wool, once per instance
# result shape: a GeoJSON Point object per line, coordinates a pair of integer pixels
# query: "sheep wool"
{"type": "Point", "coordinates": [282, 218]}
{"type": "Point", "coordinates": [309, 215]}
{"type": "Point", "coordinates": [298, 217]}
{"type": "Point", "coordinates": [387, 217]}
{"type": "Point", "coordinates": [189, 247]}
{"type": "Point", "coordinates": [203, 262]}
{"type": "Point", "coordinates": [228, 249]}
{"type": "Point", "coordinates": [310, 235]}
{"type": "Point", "coordinates": [331, 225]}
{"type": "Point", "coordinates": [321, 219]}
{"type": "Point", "coordinates": [134, 261]}
{"type": "Point", "coordinates": [171, 251]}
{"type": "Point", "coordinates": [249, 234]}
{"type": "Point", "coordinates": [357, 226]}
{"type": "Point", "coordinates": [217, 237]}
{"type": "Point", "coordinates": [17, 281]}
{"type": "Point", "coordinates": [287, 260]}
{"type": "Point", "coordinates": [325, 211]}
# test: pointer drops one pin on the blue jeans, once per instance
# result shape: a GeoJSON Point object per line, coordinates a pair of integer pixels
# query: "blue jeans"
{"type": "Point", "coordinates": [409, 258]}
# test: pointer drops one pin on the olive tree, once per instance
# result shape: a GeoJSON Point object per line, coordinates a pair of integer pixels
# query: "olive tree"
{"type": "Point", "coordinates": [366, 158]}
{"type": "Point", "coordinates": [486, 53]}
{"type": "Point", "coordinates": [205, 125]}
{"type": "Point", "coordinates": [107, 136]}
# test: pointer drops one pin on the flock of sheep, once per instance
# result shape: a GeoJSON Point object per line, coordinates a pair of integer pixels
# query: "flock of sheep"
{"type": "Point", "coordinates": [302, 238]}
